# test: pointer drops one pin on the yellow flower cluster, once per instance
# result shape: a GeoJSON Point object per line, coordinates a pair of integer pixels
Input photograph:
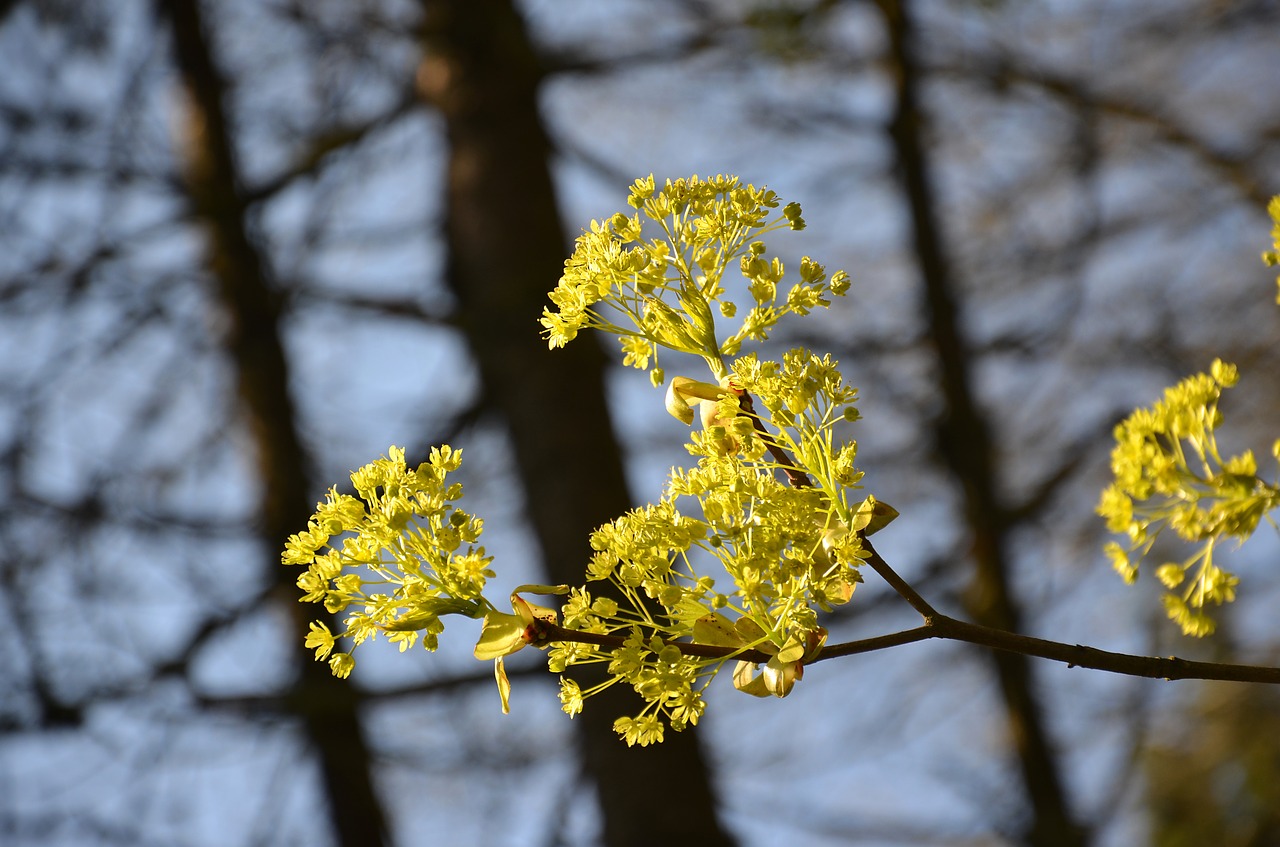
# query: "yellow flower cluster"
{"type": "Point", "coordinates": [659, 292]}
{"type": "Point", "coordinates": [787, 551]}
{"type": "Point", "coordinates": [1169, 474]}
{"type": "Point", "coordinates": [396, 556]}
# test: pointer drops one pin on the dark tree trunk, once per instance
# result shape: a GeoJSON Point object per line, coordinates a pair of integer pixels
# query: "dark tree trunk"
{"type": "Point", "coordinates": [506, 251]}
{"type": "Point", "coordinates": [964, 441]}
{"type": "Point", "coordinates": [326, 706]}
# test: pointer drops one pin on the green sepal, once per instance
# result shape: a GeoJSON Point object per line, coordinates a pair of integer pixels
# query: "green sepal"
{"type": "Point", "coordinates": [411, 622]}
{"type": "Point", "coordinates": [783, 670]}
{"type": "Point", "coordinates": [792, 651]}
{"type": "Point", "coordinates": [780, 677]}
{"type": "Point", "coordinates": [689, 609]}
{"type": "Point", "coordinates": [777, 678]}
{"type": "Point", "coordinates": [529, 612]}
{"type": "Point", "coordinates": [815, 641]}
{"type": "Point", "coordinates": [504, 634]}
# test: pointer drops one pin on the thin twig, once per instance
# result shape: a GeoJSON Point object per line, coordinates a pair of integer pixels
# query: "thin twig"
{"type": "Point", "coordinates": [1077, 655]}
{"type": "Point", "coordinates": [544, 632]}
{"type": "Point", "coordinates": [797, 477]}
{"type": "Point", "coordinates": [942, 626]}
{"type": "Point", "coordinates": [897, 583]}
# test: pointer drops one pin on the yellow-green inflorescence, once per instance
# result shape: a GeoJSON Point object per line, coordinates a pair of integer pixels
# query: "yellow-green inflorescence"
{"type": "Point", "coordinates": [657, 278]}
{"type": "Point", "coordinates": [1272, 257]}
{"type": "Point", "coordinates": [732, 555]}
{"type": "Point", "coordinates": [394, 558]}
{"type": "Point", "coordinates": [660, 279]}
{"type": "Point", "coordinates": [786, 552]}
{"type": "Point", "coordinates": [1170, 475]}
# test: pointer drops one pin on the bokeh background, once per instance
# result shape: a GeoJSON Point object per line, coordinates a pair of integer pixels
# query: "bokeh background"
{"type": "Point", "coordinates": [247, 245]}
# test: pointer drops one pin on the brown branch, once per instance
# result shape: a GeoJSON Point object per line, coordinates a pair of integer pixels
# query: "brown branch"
{"type": "Point", "coordinates": [797, 477]}
{"type": "Point", "coordinates": [878, 642]}
{"type": "Point", "coordinates": [942, 626]}
{"type": "Point", "coordinates": [897, 583]}
{"type": "Point", "coordinates": [545, 633]}
{"type": "Point", "coordinates": [1077, 655]}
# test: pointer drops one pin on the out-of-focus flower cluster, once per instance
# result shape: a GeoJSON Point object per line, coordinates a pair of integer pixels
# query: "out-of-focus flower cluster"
{"type": "Point", "coordinates": [1272, 257]}
{"type": "Point", "coordinates": [1169, 474]}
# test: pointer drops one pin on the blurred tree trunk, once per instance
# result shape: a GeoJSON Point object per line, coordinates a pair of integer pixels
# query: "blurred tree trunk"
{"type": "Point", "coordinates": [327, 706]}
{"type": "Point", "coordinates": [964, 442]}
{"type": "Point", "coordinates": [506, 251]}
